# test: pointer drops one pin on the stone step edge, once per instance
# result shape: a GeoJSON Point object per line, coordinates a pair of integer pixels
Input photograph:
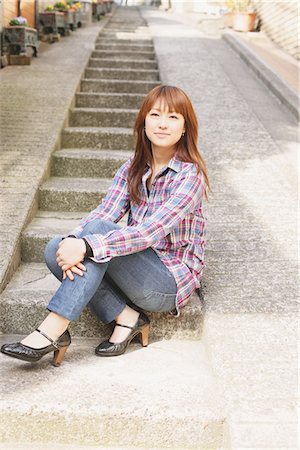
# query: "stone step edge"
{"type": "Point", "coordinates": [140, 61]}
{"type": "Point", "coordinates": [113, 81]}
{"type": "Point", "coordinates": [107, 94]}
{"type": "Point", "coordinates": [147, 42]}
{"type": "Point", "coordinates": [113, 52]}
{"type": "Point", "coordinates": [63, 183]}
{"type": "Point", "coordinates": [112, 45]}
{"type": "Point", "coordinates": [100, 153]}
{"type": "Point", "coordinates": [79, 109]}
{"type": "Point", "coordinates": [100, 130]}
{"type": "Point", "coordinates": [112, 69]}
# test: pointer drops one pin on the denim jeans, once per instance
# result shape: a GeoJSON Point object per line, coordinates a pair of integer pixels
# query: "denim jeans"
{"type": "Point", "coordinates": [140, 280]}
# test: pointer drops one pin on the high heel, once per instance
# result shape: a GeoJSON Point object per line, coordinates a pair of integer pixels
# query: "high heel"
{"type": "Point", "coordinates": [141, 329]}
{"type": "Point", "coordinates": [30, 354]}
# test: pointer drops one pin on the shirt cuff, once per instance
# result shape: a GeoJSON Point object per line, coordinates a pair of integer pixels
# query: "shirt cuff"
{"type": "Point", "coordinates": [88, 249]}
{"type": "Point", "coordinates": [97, 244]}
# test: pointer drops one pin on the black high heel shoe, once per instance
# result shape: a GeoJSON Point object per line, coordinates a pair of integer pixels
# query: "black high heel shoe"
{"type": "Point", "coordinates": [30, 354]}
{"type": "Point", "coordinates": [141, 328]}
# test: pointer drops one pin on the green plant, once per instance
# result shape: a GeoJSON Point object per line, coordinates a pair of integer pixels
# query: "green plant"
{"type": "Point", "coordinates": [61, 6]}
{"type": "Point", "coordinates": [238, 5]}
{"type": "Point", "coordinates": [18, 21]}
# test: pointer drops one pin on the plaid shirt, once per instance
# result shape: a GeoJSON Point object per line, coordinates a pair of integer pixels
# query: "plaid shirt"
{"type": "Point", "coordinates": [169, 220]}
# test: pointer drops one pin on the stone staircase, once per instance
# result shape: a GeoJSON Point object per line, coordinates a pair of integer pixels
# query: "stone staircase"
{"type": "Point", "coordinates": [97, 139]}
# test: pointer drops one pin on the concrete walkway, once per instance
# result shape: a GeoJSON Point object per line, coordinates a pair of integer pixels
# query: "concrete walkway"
{"type": "Point", "coordinates": [250, 141]}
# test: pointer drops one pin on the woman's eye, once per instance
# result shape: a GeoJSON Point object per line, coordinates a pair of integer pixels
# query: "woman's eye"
{"type": "Point", "coordinates": [153, 114]}
{"type": "Point", "coordinates": [174, 117]}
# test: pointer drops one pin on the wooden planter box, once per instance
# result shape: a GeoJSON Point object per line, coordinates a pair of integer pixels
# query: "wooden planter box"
{"type": "Point", "coordinates": [16, 39]}
{"type": "Point", "coordinates": [78, 18]}
{"type": "Point", "coordinates": [54, 22]}
{"type": "Point", "coordinates": [70, 20]}
{"type": "Point", "coordinates": [98, 10]}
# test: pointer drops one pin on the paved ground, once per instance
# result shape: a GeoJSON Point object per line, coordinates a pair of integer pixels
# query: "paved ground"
{"type": "Point", "coordinates": [249, 140]}
{"type": "Point", "coordinates": [90, 400]}
{"type": "Point", "coordinates": [250, 143]}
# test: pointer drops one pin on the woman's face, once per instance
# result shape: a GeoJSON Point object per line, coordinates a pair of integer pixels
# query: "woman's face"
{"type": "Point", "coordinates": [163, 128]}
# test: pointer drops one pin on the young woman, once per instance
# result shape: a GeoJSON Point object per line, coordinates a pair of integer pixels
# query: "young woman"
{"type": "Point", "coordinates": [152, 264]}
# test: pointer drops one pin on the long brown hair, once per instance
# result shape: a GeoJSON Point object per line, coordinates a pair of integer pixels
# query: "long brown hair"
{"type": "Point", "coordinates": [186, 148]}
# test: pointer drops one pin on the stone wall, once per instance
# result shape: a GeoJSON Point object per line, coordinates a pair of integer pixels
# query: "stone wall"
{"type": "Point", "coordinates": [279, 20]}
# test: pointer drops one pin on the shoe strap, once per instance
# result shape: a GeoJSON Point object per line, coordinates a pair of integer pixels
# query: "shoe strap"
{"type": "Point", "coordinates": [54, 343]}
{"type": "Point", "coordinates": [125, 326]}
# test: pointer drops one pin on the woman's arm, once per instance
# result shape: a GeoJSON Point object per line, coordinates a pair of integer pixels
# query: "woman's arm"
{"type": "Point", "coordinates": [114, 205]}
{"type": "Point", "coordinates": [186, 195]}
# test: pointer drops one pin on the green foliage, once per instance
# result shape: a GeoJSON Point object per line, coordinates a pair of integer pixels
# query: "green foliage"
{"type": "Point", "coordinates": [18, 21]}
{"type": "Point", "coordinates": [61, 6]}
{"type": "Point", "coordinates": [238, 5]}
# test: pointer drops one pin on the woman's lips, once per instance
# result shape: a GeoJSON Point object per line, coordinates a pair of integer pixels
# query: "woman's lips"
{"type": "Point", "coordinates": [161, 134]}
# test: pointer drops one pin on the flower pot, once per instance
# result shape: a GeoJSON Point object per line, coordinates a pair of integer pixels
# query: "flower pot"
{"type": "Point", "coordinates": [17, 38]}
{"type": "Point", "coordinates": [54, 23]}
{"type": "Point", "coordinates": [70, 20]}
{"type": "Point", "coordinates": [244, 21]}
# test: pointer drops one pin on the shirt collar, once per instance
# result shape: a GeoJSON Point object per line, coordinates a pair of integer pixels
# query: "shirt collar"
{"type": "Point", "coordinates": [174, 163]}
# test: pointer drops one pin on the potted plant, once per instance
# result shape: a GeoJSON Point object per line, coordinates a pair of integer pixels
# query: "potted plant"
{"type": "Point", "coordinates": [75, 7]}
{"type": "Point", "coordinates": [53, 23]}
{"type": "Point", "coordinates": [18, 36]}
{"type": "Point", "coordinates": [241, 15]}
{"type": "Point", "coordinates": [64, 8]}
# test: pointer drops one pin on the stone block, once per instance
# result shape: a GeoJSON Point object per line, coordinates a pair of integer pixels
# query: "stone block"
{"type": "Point", "coordinates": [90, 401]}
{"type": "Point", "coordinates": [23, 306]}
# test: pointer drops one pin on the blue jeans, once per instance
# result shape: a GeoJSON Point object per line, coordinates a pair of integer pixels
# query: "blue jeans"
{"type": "Point", "coordinates": [140, 280]}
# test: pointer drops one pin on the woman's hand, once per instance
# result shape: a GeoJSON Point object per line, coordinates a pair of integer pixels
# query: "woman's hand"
{"type": "Point", "coordinates": [70, 252]}
{"type": "Point", "coordinates": [78, 269]}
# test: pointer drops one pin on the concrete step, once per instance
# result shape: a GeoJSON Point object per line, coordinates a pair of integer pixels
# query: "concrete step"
{"type": "Point", "coordinates": [25, 298]}
{"type": "Point", "coordinates": [125, 74]}
{"type": "Point", "coordinates": [122, 55]}
{"type": "Point", "coordinates": [102, 117]}
{"type": "Point", "coordinates": [122, 63]}
{"type": "Point", "coordinates": [98, 138]}
{"type": "Point", "coordinates": [108, 39]}
{"type": "Point", "coordinates": [125, 35]}
{"type": "Point", "coordinates": [118, 86]}
{"type": "Point", "coordinates": [124, 47]}
{"type": "Point", "coordinates": [72, 194]}
{"type": "Point", "coordinates": [44, 226]}
{"type": "Point", "coordinates": [128, 29]}
{"type": "Point", "coordinates": [90, 401]}
{"type": "Point", "coordinates": [127, 20]}
{"type": "Point", "coordinates": [87, 162]}
{"type": "Point", "coordinates": [137, 34]}
{"type": "Point", "coordinates": [108, 100]}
